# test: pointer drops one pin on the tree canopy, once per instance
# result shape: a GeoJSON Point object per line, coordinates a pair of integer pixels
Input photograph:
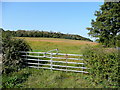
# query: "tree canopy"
{"type": "Point", "coordinates": [36, 33]}
{"type": "Point", "coordinates": [106, 27]}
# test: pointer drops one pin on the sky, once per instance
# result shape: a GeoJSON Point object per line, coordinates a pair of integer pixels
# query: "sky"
{"type": "Point", "coordinates": [65, 17]}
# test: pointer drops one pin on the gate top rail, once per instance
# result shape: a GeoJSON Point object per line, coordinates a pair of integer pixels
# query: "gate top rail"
{"type": "Point", "coordinates": [52, 53]}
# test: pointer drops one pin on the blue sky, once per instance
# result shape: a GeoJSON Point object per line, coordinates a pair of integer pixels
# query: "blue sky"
{"type": "Point", "coordinates": [65, 17]}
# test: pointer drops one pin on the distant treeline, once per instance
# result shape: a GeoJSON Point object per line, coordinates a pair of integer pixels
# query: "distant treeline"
{"type": "Point", "coordinates": [36, 33]}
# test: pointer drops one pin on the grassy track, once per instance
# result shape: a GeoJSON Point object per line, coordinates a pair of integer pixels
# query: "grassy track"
{"type": "Point", "coordinates": [64, 45]}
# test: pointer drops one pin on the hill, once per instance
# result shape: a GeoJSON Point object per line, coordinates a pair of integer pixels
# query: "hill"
{"type": "Point", "coordinates": [64, 45]}
{"type": "Point", "coordinates": [35, 33]}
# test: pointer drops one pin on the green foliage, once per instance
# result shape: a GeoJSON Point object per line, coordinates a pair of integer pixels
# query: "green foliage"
{"type": "Point", "coordinates": [107, 24]}
{"type": "Point", "coordinates": [11, 56]}
{"type": "Point", "coordinates": [118, 40]}
{"type": "Point", "coordinates": [41, 78]}
{"type": "Point", "coordinates": [0, 40]}
{"type": "Point", "coordinates": [103, 64]}
{"type": "Point", "coordinates": [35, 33]}
{"type": "Point", "coordinates": [15, 79]}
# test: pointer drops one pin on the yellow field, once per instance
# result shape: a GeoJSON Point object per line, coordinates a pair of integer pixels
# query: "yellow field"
{"type": "Point", "coordinates": [64, 45]}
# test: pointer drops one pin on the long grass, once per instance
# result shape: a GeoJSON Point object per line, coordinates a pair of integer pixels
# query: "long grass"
{"type": "Point", "coordinates": [40, 78]}
{"type": "Point", "coordinates": [54, 79]}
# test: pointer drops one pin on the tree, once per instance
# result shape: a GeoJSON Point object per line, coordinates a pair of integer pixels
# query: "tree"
{"type": "Point", "coordinates": [107, 24]}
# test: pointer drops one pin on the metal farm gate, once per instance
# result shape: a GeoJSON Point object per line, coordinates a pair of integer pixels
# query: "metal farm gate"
{"type": "Point", "coordinates": [54, 61]}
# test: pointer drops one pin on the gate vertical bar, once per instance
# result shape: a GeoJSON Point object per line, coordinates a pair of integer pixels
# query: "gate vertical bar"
{"type": "Point", "coordinates": [66, 62]}
{"type": "Point", "coordinates": [82, 66]}
{"type": "Point", "coordinates": [51, 61]}
{"type": "Point", "coordinates": [38, 60]}
{"type": "Point", "coordinates": [26, 61]}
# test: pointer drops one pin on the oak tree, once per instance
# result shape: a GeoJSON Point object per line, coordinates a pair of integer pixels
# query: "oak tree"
{"type": "Point", "coordinates": [106, 27]}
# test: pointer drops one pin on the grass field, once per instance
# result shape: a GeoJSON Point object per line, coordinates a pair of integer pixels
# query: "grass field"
{"type": "Point", "coordinates": [40, 78]}
{"type": "Point", "coordinates": [64, 45]}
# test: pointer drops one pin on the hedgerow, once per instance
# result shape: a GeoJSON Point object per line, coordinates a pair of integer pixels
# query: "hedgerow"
{"type": "Point", "coordinates": [11, 56]}
{"type": "Point", "coordinates": [103, 64]}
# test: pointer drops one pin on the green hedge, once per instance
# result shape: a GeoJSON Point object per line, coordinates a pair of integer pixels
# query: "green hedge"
{"type": "Point", "coordinates": [103, 64]}
{"type": "Point", "coordinates": [11, 56]}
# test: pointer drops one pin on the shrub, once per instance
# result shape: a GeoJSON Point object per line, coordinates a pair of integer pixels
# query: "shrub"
{"type": "Point", "coordinates": [11, 56]}
{"type": "Point", "coordinates": [103, 64]}
{"type": "Point", "coordinates": [15, 80]}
